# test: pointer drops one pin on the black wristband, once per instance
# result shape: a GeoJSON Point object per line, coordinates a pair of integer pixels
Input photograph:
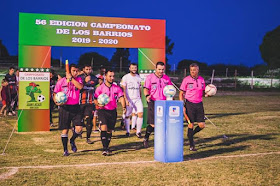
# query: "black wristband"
{"type": "Point", "coordinates": [147, 95]}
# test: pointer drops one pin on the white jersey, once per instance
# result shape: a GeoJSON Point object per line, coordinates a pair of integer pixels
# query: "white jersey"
{"type": "Point", "coordinates": [132, 84]}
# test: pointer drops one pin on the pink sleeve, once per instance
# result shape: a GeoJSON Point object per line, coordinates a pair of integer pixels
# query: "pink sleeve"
{"type": "Point", "coordinates": [169, 83]}
{"type": "Point", "coordinates": [203, 82]}
{"type": "Point", "coordinates": [147, 83]}
{"type": "Point", "coordinates": [57, 87]}
{"type": "Point", "coordinates": [183, 85]}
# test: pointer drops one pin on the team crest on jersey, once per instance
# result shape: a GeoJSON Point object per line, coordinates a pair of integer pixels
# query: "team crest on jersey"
{"type": "Point", "coordinates": [154, 86]}
{"type": "Point", "coordinates": [190, 86]}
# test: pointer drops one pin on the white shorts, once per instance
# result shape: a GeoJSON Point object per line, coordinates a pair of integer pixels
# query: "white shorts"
{"type": "Point", "coordinates": [135, 106]}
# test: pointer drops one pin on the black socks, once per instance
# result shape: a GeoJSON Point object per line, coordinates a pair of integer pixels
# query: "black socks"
{"type": "Point", "coordinates": [64, 139]}
{"type": "Point", "coordinates": [190, 136]}
{"type": "Point", "coordinates": [89, 126]}
{"type": "Point", "coordinates": [149, 130]}
{"type": "Point", "coordinates": [104, 140]}
{"type": "Point", "coordinates": [75, 135]}
{"type": "Point", "coordinates": [196, 130]}
{"type": "Point", "coordinates": [109, 136]}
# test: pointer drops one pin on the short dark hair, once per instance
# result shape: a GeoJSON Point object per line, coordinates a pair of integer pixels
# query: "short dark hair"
{"type": "Point", "coordinates": [134, 64]}
{"type": "Point", "coordinates": [11, 68]}
{"type": "Point", "coordinates": [108, 70]}
{"type": "Point", "coordinates": [72, 65]}
{"type": "Point", "coordinates": [160, 63]}
{"type": "Point", "coordinates": [86, 65]}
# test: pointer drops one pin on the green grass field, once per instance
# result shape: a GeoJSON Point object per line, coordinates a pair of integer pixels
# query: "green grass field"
{"type": "Point", "coordinates": [250, 156]}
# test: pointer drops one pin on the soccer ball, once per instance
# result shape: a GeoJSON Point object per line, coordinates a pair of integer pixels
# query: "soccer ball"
{"type": "Point", "coordinates": [41, 98]}
{"type": "Point", "coordinates": [210, 90]}
{"type": "Point", "coordinates": [61, 97]}
{"type": "Point", "coordinates": [103, 99]}
{"type": "Point", "coordinates": [169, 91]}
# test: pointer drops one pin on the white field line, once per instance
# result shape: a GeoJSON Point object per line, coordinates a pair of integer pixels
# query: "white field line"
{"type": "Point", "coordinates": [133, 162]}
{"type": "Point", "coordinates": [236, 156]}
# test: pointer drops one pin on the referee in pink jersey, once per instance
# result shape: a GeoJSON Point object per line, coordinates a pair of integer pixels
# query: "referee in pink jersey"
{"type": "Point", "coordinates": [69, 111]}
{"type": "Point", "coordinates": [153, 90]}
{"type": "Point", "coordinates": [107, 114]}
{"type": "Point", "coordinates": [192, 89]}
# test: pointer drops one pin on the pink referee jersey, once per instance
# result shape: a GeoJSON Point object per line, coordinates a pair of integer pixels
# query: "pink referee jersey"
{"type": "Point", "coordinates": [114, 92]}
{"type": "Point", "coordinates": [156, 86]}
{"type": "Point", "coordinates": [193, 88]}
{"type": "Point", "coordinates": [69, 89]}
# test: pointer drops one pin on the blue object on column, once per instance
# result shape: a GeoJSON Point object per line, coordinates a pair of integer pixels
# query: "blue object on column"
{"type": "Point", "coordinates": [169, 131]}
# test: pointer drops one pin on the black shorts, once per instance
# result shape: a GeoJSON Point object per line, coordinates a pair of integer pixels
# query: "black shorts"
{"type": "Point", "coordinates": [151, 112]}
{"type": "Point", "coordinates": [68, 113]}
{"type": "Point", "coordinates": [87, 110]}
{"type": "Point", "coordinates": [107, 117]}
{"type": "Point", "coordinates": [195, 111]}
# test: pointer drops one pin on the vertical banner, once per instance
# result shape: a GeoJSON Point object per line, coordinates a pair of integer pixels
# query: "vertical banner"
{"type": "Point", "coordinates": [147, 59]}
{"type": "Point", "coordinates": [34, 88]}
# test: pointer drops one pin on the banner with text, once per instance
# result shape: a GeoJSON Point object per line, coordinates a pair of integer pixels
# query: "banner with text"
{"type": "Point", "coordinates": [84, 31]}
{"type": "Point", "coordinates": [34, 85]}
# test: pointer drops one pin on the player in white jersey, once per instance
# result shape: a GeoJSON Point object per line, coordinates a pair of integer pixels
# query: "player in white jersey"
{"type": "Point", "coordinates": [131, 84]}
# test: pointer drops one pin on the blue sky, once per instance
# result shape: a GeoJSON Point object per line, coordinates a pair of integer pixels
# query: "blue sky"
{"type": "Point", "coordinates": [210, 31]}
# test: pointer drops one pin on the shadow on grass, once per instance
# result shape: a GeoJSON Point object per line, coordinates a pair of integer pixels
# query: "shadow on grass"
{"type": "Point", "coordinates": [123, 148]}
{"type": "Point", "coordinates": [233, 139]}
{"type": "Point", "coordinates": [209, 153]}
{"type": "Point", "coordinates": [211, 116]}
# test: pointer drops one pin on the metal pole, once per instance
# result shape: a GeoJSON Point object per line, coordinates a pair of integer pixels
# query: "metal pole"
{"type": "Point", "coordinates": [91, 63]}
{"type": "Point", "coordinates": [226, 72]}
{"type": "Point", "coordinates": [235, 83]}
{"type": "Point", "coordinates": [252, 81]}
{"type": "Point", "coordinates": [213, 73]}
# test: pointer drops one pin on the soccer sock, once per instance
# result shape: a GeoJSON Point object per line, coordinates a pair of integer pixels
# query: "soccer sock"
{"type": "Point", "coordinates": [109, 136]}
{"type": "Point", "coordinates": [127, 125]}
{"type": "Point", "coordinates": [149, 130]}
{"type": "Point", "coordinates": [196, 130]}
{"type": "Point", "coordinates": [103, 136]}
{"type": "Point", "coordinates": [64, 139]}
{"type": "Point", "coordinates": [75, 135]}
{"type": "Point", "coordinates": [139, 124]}
{"type": "Point", "coordinates": [134, 118]}
{"type": "Point", "coordinates": [89, 127]}
{"type": "Point", "coordinates": [190, 136]}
